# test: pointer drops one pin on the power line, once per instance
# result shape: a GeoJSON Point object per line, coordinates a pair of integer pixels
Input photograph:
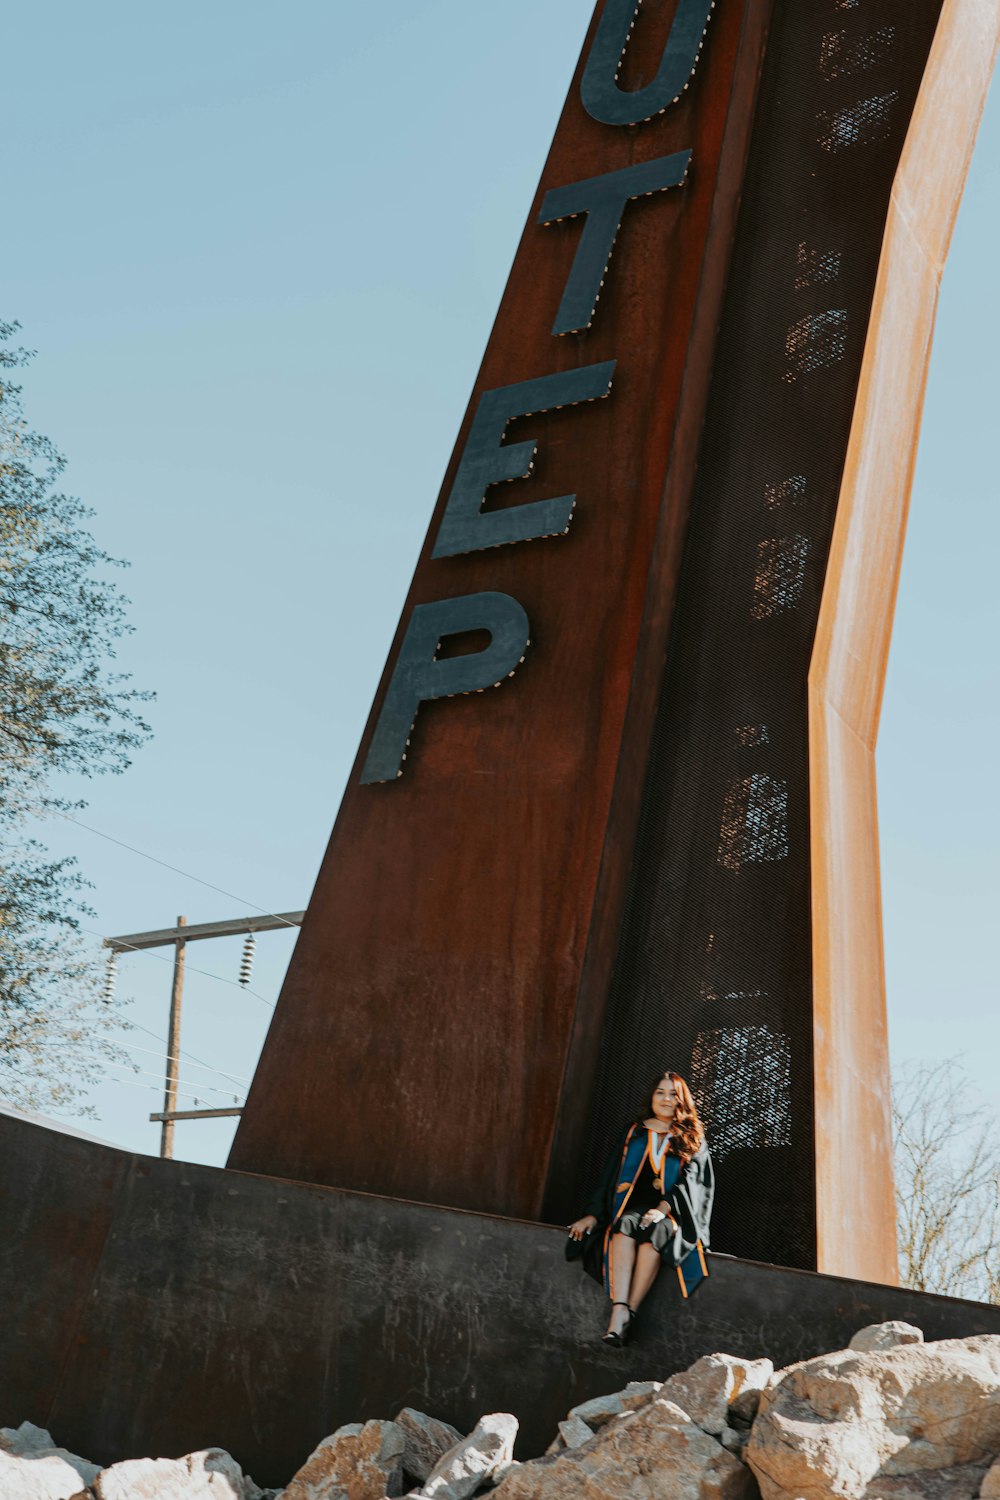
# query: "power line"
{"type": "Point", "coordinates": [137, 1025]}
{"type": "Point", "coordinates": [209, 1068]}
{"type": "Point", "coordinates": [126, 1083]}
{"type": "Point", "coordinates": [189, 1056]}
{"type": "Point", "coordinates": [175, 868]}
{"type": "Point", "coordinates": [148, 1052]}
{"type": "Point", "coordinates": [206, 1088]}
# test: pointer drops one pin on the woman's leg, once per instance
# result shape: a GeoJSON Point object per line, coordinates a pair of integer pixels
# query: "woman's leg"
{"type": "Point", "coordinates": [622, 1252]}
{"type": "Point", "coordinates": [647, 1264]}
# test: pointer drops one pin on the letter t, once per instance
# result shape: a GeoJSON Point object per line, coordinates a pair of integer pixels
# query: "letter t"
{"type": "Point", "coordinates": [603, 200]}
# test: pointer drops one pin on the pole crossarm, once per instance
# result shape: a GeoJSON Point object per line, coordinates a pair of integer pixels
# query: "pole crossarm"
{"type": "Point", "coordinates": [163, 937]}
{"type": "Point", "coordinates": [169, 1116]}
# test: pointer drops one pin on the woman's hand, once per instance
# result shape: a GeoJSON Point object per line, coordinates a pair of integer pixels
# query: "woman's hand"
{"type": "Point", "coordinates": [653, 1216]}
{"type": "Point", "coordinates": [582, 1226]}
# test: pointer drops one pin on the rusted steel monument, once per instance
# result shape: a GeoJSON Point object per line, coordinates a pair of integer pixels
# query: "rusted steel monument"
{"type": "Point", "coordinates": [669, 536]}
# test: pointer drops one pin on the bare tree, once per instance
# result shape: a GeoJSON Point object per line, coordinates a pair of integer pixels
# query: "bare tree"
{"type": "Point", "coordinates": [947, 1161]}
{"type": "Point", "coordinates": [63, 709]}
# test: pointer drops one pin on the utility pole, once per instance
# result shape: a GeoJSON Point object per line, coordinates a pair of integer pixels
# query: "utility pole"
{"type": "Point", "coordinates": [178, 938]}
{"type": "Point", "coordinates": [173, 1047]}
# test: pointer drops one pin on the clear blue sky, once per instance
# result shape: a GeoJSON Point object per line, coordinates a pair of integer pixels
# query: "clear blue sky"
{"type": "Point", "coordinates": [259, 249]}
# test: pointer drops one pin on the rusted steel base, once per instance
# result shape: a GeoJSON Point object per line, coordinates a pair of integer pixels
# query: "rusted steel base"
{"type": "Point", "coordinates": [152, 1307]}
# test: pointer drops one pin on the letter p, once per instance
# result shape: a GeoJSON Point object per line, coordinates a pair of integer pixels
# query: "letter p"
{"type": "Point", "coordinates": [420, 677]}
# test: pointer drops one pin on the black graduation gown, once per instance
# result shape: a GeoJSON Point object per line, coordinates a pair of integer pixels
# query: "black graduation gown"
{"type": "Point", "coordinates": [690, 1201]}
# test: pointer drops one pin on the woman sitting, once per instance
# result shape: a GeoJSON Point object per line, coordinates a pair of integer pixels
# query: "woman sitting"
{"type": "Point", "coordinates": [654, 1202]}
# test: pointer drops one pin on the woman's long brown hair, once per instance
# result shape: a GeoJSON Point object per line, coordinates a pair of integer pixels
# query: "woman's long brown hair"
{"type": "Point", "coordinates": [688, 1131]}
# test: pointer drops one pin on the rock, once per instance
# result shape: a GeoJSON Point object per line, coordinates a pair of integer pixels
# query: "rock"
{"type": "Point", "coordinates": [712, 1384]}
{"type": "Point", "coordinates": [209, 1475]}
{"type": "Point", "coordinates": [601, 1409]}
{"type": "Point", "coordinates": [32, 1467]}
{"type": "Point", "coordinates": [648, 1454]}
{"type": "Point", "coordinates": [733, 1440]}
{"type": "Point", "coordinates": [574, 1431]}
{"type": "Point", "coordinates": [427, 1441]}
{"type": "Point", "coordinates": [494, 1479]}
{"type": "Point", "coordinates": [598, 1410]}
{"type": "Point", "coordinates": [915, 1422]}
{"type": "Point", "coordinates": [254, 1491]}
{"type": "Point", "coordinates": [488, 1448]}
{"type": "Point", "coordinates": [758, 1374]}
{"type": "Point", "coordinates": [991, 1484]}
{"type": "Point", "coordinates": [958, 1483]}
{"type": "Point", "coordinates": [358, 1462]}
{"type": "Point", "coordinates": [878, 1336]}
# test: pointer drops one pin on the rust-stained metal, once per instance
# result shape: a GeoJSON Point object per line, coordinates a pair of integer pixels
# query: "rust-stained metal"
{"type": "Point", "coordinates": [656, 841]}
{"type": "Point", "coordinates": [441, 957]}
{"type": "Point", "coordinates": [848, 668]}
{"type": "Point", "coordinates": [713, 969]}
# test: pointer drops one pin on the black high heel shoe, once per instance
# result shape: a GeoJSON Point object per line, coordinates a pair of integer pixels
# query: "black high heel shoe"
{"type": "Point", "coordinates": [623, 1337]}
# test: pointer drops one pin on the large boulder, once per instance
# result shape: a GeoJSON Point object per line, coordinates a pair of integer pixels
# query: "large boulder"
{"type": "Point", "coordinates": [357, 1462]}
{"type": "Point", "coordinates": [713, 1384]}
{"type": "Point", "coordinates": [209, 1475]}
{"type": "Point", "coordinates": [33, 1467]}
{"type": "Point", "coordinates": [647, 1454]}
{"type": "Point", "coordinates": [914, 1422]}
{"type": "Point", "coordinates": [487, 1450]}
{"type": "Point", "coordinates": [427, 1441]}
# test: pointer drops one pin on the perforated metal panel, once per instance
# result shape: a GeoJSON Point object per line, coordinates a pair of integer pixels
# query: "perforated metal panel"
{"type": "Point", "coordinates": [713, 975]}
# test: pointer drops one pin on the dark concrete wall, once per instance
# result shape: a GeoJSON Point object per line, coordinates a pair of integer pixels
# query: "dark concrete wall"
{"type": "Point", "coordinates": [155, 1307]}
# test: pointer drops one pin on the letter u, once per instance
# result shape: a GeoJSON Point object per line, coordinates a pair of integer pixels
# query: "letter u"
{"type": "Point", "coordinates": [600, 93]}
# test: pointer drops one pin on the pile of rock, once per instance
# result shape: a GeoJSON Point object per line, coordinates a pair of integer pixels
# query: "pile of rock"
{"type": "Point", "coordinates": [889, 1418]}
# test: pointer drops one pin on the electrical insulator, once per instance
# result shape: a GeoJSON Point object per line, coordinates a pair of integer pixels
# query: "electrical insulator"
{"type": "Point", "coordinates": [110, 975]}
{"type": "Point", "coordinates": [246, 962]}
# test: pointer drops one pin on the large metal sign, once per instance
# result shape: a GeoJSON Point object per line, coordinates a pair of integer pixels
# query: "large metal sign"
{"type": "Point", "coordinates": [534, 897]}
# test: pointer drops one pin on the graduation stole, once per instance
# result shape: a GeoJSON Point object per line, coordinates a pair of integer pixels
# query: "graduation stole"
{"type": "Point", "coordinates": [658, 1157]}
{"type": "Point", "coordinates": [634, 1154]}
{"type": "Point", "coordinates": [667, 1170]}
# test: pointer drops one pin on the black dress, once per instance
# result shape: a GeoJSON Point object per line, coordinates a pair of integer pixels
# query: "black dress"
{"type": "Point", "coordinates": [645, 1196]}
